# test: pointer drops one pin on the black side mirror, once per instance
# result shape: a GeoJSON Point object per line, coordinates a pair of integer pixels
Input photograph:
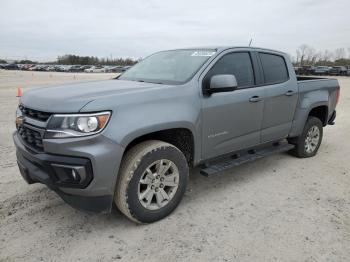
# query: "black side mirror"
{"type": "Point", "coordinates": [222, 83]}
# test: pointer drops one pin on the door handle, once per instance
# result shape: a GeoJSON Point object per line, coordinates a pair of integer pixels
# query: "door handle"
{"type": "Point", "coordinates": [255, 99]}
{"type": "Point", "coordinates": [289, 93]}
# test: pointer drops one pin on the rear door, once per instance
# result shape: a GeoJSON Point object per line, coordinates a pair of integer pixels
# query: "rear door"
{"type": "Point", "coordinates": [232, 120]}
{"type": "Point", "coordinates": [281, 96]}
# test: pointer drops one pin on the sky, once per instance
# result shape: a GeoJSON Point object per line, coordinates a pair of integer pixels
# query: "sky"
{"type": "Point", "coordinates": [42, 30]}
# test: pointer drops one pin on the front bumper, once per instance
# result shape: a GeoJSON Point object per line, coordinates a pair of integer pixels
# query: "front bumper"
{"type": "Point", "coordinates": [99, 156]}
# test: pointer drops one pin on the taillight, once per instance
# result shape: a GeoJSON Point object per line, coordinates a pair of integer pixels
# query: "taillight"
{"type": "Point", "coordinates": [338, 96]}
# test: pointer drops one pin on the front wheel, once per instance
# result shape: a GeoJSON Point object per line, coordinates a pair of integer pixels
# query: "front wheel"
{"type": "Point", "coordinates": [152, 181]}
{"type": "Point", "coordinates": [308, 143]}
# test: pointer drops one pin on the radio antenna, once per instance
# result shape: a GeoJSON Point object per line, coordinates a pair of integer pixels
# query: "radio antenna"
{"type": "Point", "coordinates": [250, 42]}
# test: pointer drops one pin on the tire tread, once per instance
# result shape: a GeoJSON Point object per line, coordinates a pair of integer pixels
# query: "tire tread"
{"type": "Point", "coordinates": [129, 164]}
{"type": "Point", "coordinates": [298, 141]}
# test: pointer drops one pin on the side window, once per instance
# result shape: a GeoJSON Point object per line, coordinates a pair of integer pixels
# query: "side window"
{"type": "Point", "coordinates": [237, 64]}
{"type": "Point", "coordinates": [274, 68]}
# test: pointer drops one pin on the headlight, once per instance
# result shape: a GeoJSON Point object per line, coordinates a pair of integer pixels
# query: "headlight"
{"type": "Point", "coordinates": [64, 125]}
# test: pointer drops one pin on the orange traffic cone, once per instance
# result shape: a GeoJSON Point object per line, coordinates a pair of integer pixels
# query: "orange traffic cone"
{"type": "Point", "coordinates": [19, 91]}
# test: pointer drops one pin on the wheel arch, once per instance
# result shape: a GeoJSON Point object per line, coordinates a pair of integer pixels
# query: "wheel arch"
{"type": "Point", "coordinates": [321, 112]}
{"type": "Point", "coordinates": [181, 137]}
{"type": "Point", "coordinates": [319, 109]}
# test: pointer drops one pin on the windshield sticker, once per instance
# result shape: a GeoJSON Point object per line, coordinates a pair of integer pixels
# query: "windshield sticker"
{"type": "Point", "coordinates": [203, 53]}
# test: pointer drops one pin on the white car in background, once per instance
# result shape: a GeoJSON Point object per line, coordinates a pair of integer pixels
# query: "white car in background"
{"type": "Point", "coordinates": [95, 69]}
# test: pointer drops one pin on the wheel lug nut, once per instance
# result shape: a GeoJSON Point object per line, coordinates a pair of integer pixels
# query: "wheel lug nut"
{"type": "Point", "coordinates": [161, 185]}
{"type": "Point", "coordinates": [157, 189]}
{"type": "Point", "coordinates": [158, 177]}
{"type": "Point", "coordinates": [162, 179]}
{"type": "Point", "coordinates": [152, 187]}
{"type": "Point", "coordinates": [153, 180]}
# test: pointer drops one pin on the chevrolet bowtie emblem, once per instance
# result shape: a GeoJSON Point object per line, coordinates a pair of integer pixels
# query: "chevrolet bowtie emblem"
{"type": "Point", "coordinates": [19, 120]}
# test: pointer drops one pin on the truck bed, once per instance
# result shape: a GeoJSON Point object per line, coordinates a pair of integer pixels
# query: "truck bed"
{"type": "Point", "coordinates": [308, 78]}
{"type": "Point", "coordinates": [317, 89]}
{"type": "Point", "coordinates": [306, 83]}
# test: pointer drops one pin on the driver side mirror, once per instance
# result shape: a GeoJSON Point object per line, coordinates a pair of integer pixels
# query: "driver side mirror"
{"type": "Point", "coordinates": [222, 83]}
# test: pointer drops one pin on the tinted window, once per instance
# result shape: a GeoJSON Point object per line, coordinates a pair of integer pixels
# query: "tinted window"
{"type": "Point", "coordinates": [237, 64]}
{"type": "Point", "coordinates": [274, 67]}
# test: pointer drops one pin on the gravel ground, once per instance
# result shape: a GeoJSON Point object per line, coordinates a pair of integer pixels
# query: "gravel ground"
{"type": "Point", "coordinates": [276, 209]}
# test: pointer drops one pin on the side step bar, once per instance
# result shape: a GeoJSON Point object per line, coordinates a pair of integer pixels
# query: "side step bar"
{"type": "Point", "coordinates": [244, 157]}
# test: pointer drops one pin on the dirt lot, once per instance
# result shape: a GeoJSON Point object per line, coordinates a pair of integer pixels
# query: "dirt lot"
{"type": "Point", "coordinates": [276, 209]}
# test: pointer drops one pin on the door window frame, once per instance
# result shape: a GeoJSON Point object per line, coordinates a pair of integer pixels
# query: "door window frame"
{"type": "Point", "coordinates": [262, 68]}
{"type": "Point", "coordinates": [258, 81]}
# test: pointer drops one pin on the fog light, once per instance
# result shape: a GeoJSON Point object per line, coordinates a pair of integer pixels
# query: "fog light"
{"type": "Point", "coordinates": [75, 176]}
{"type": "Point", "coordinates": [69, 174]}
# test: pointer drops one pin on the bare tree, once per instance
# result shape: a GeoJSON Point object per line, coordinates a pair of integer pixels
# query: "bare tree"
{"type": "Point", "coordinates": [339, 53]}
{"type": "Point", "coordinates": [307, 55]}
{"type": "Point", "coordinates": [327, 55]}
{"type": "Point", "coordinates": [318, 56]}
{"type": "Point", "coordinates": [311, 55]}
{"type": "Point", "coordinates": [301, 53]}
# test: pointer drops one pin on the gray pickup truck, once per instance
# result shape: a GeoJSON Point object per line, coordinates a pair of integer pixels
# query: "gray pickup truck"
{"type": "Point", "coordinates": [131, 140]}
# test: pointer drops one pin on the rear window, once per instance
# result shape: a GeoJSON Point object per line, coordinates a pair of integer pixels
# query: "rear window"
{"type": "Point", "coordinates": [274, 68]}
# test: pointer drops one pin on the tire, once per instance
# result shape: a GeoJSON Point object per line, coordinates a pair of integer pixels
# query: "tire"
{"type": "Point", "coordinates": [304, 145]}
{"type": "Point", "coordinates": [139, 178]}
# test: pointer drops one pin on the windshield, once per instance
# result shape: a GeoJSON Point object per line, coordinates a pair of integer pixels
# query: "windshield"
{"type": "Point", "coordinates": [169, 67]}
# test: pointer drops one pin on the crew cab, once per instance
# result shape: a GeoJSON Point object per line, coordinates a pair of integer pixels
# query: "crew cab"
{"type": "Point", "coordinates": [132, 140]}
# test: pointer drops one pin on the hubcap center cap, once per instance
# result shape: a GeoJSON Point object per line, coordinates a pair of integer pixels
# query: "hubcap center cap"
{"type": "Point", "coordinates": [156, 183]}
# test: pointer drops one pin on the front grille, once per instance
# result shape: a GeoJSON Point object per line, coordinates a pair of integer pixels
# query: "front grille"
{"type": "Point", "coordinates": [35, 114]}
{"type": "Point", "coordinates": [31, 137]}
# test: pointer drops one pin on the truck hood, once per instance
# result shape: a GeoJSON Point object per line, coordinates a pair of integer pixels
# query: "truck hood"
{"type": "Point", "coordinates": [71, 98]}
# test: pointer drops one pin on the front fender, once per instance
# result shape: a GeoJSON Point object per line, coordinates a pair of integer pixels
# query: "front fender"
{"type": "Point", "coordinates": [150, 110]}
{"type": "Point", "coordinates": [128, 138]}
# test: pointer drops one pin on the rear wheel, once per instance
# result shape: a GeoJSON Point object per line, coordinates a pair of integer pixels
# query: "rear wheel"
{"type": "Point", "coordinates": [308, 143]}
{"type": "Point", "coordinates": [152, 181]}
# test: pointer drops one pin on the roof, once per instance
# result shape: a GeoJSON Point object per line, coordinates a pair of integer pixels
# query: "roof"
{"type": "Point", "coordinates": [222, 48]}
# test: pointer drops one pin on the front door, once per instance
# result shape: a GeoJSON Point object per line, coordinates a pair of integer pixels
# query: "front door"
{"type": "Point", "coordinates": [232, 120]}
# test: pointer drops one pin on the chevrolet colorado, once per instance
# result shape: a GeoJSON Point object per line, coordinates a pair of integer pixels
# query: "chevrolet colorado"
{"type": "Point", "coordinates": [131, 140]}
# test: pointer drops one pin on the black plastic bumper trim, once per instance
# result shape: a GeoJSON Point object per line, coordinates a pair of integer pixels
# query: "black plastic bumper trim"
{"type": "Point", "coordinates": [39, 163]}
{"type": "Point", "coordinates": [36, 168]}
{"type": "Point", "coordinates": [332, 118]}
